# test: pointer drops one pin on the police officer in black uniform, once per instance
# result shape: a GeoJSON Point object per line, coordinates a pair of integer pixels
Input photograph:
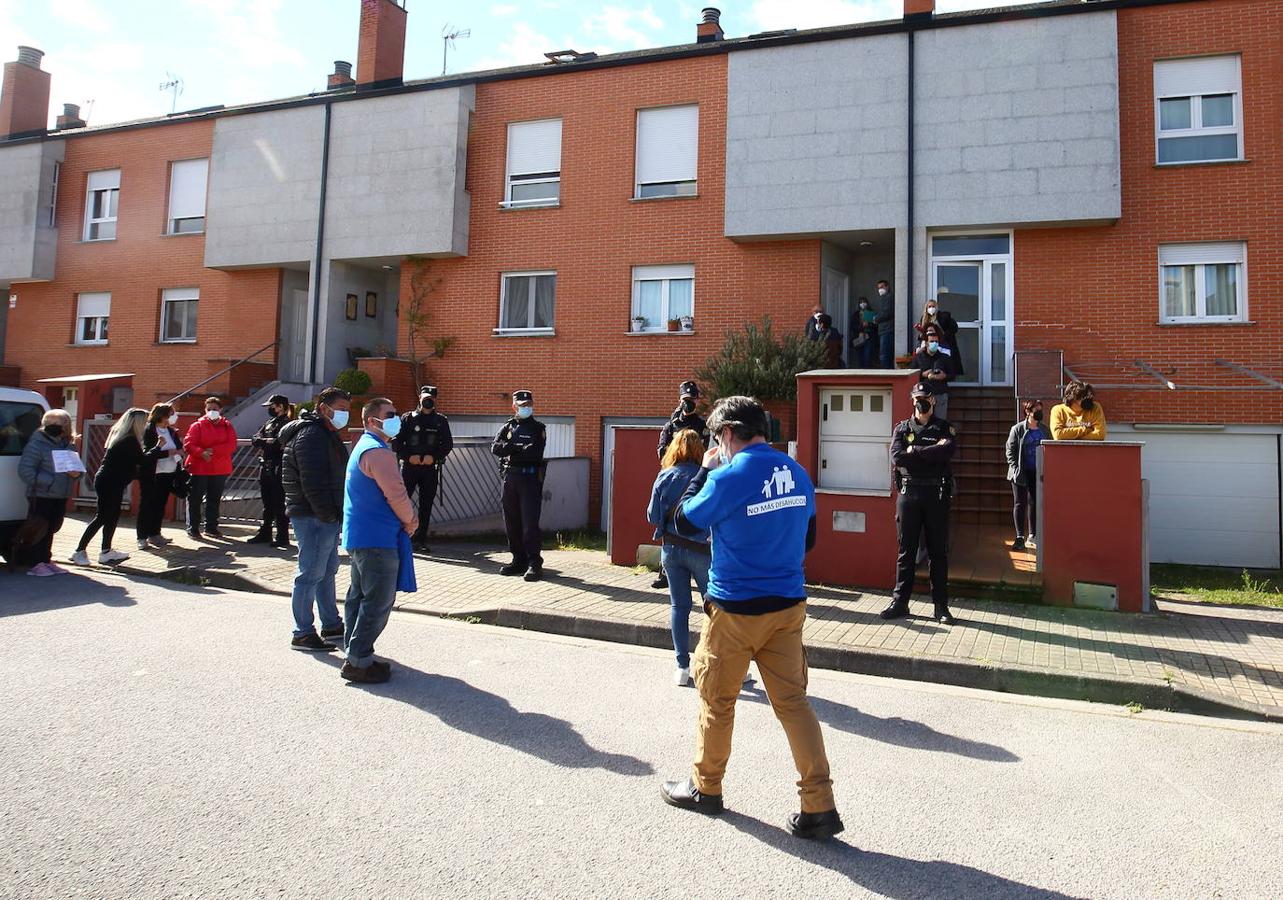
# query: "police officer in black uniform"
{"type": "Point", "coordinates": [921, 448]}
{"type": "Point", "coordinates": [684, 416]}
{"type": "Point", "coordinates": [270, 450]}
{"type": "Point", "coordinates": [520, 448]}
{"type": "Point", "coordinates": [422, 446]}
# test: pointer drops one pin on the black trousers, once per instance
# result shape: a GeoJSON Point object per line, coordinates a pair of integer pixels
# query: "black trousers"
{"type": "Point", "coordinates": [151, 505]}
{"type": "Point", "coordinates": [424, 479]}
{"type": "Point", "coordinates": [210, 489]}
{"type": "Point", "coordinates": [1026, 507]}
{"type": "Point", "coordinates": [110, 495]}
{"type": "Point", "coordinates": [53, 510]}
{"type": "Point", "coordinates": [922, 511]}
{"type": "Point", "coordinates": [273, 493]}
{"type": "Point", "coordinates": [522, 503]}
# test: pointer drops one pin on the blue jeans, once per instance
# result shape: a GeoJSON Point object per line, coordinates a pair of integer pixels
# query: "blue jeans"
{"type": "Point", "coordinates": [318, 561]}
{"type": "Point", "coordinates": [369, 600]}
{"type": "Point", "coordinates": [886, 347]}
{"type": "Point", "coordinates": [681, 565]}
{"type": "Point", "coordinates": [868, 353]}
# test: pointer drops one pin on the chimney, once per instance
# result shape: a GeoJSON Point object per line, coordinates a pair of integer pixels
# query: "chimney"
{"type": "Point", "coordinates": [919, 9]}
{"type": "Point", "coordinates": [70, 117]}
{"type": "Point", "coordinates": [710, 25]}
{"type": "Point", "coordinates": [380, 60]}
{"type": "Point", "coordinates": [342, 77]}
{"type": "Point", "coordinates": [24, 95]}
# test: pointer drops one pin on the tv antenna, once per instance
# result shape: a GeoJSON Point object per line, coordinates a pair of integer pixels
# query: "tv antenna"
{"type": "Point", "coordinates": [174, 85]}
{"type": "Point", "coordinates": [448, 39]}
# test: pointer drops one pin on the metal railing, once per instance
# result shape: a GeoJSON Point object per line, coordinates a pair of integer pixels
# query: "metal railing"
{"type": "Point", "coordinates": [222, 372]}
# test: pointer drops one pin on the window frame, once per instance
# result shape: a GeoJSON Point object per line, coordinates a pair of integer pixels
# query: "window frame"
{"type": "Point", "coordinates": [532, 329]}
{"type": "Point", "coordinates": [52, 217]}
{"type": "Point", "coordinates": [666, 275]}
{"type": "Point", "coordinates": [512, 178]}
{"type": "Point", "coordinates": [102, 327]}
{"type": "Point", "coordinates": [1200, 316]}
{"type": "Point", "coordinates": [90, 221]}
{"type": "Point", "coordinates": [1197, 129]}
{"type": "Point", "coordinates": [171, 221]}
{"type": "Point", "coordinates": [184, 295]}
{"type": "Point", "coordinates": [681, 188]}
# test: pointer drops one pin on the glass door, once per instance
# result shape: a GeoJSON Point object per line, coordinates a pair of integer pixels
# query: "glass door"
{"type": "Point", "coordinates": [957, 285]}
{"type": "Point", "coordinates": [974, 285]}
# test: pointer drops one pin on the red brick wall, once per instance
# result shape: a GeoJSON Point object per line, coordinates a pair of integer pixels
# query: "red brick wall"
{"type": "Point", "coordinates": [237, 312]}
{"type": "Point", "coordinates": [1093, 292]}
{"type": "Point", "coordinates": [592, 367]}
{"type": "Point", "coordinates": [24, 99]}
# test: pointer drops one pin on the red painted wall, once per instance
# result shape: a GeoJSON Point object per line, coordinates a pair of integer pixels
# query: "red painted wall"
{"type": "Point", "coordinates": [632, 477]}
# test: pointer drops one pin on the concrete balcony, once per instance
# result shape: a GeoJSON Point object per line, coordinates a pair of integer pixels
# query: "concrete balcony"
{"type": "Point", "coordinates": [28, 242]}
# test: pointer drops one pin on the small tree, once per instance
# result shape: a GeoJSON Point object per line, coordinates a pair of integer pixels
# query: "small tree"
{"type": "Point", "coordinates": [418, 316]}
{"type": "Point", "coordinates": [755, 363]}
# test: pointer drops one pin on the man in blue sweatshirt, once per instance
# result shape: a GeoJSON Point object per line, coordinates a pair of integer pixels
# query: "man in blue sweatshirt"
{"type": "Point", "coordinates": [760, 507]}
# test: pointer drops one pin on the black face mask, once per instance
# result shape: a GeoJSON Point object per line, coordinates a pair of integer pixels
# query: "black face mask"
{"type": "Point", "coordinates": [1038, 415]}
{"type": "Point", "coordinates": [54, 431]}
{"type": "Point", "coordinates": [1089, 404]}
{"type": "Point", "coordinates": [688, 406]}
{"type": "Point", "coordinates": [922, 405]}
{"type": "Point", "coordinates": [429, 404]}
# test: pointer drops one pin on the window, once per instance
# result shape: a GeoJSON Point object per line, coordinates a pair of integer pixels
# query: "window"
{"type": "Point", "coordinates": [661, 293]}
{"type": "Point", "coordinates": [1197, 109]}
{"type": "Point", "coordinates": [178, 315]}
{"type": "Point", "coordinates": [667, 151]}
{"type": "Point", "coordinates": [92, 311]}
{"type": "Point", "coordinates": [526, 302]}
{"type": "Point", "coordinates": [100, 208]}
{"type": "Point", "coordinates": [51, 211]}
{"type": "Point", "coordinates": [534, 163]}
{"type": "Point", "coordinates": [187, 196]}
{"type": "Point", "coordinates": [1202, 282]}
{"type": "Point", "coordinates": [18, 422]}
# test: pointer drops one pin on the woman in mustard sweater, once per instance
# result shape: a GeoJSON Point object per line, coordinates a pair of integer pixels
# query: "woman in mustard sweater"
{"type": "Point", "coordinates": [1080, 417]}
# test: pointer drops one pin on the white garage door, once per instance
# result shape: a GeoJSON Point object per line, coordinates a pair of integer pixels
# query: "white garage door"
{"type": "Point", "coordinates": [1213, 498]}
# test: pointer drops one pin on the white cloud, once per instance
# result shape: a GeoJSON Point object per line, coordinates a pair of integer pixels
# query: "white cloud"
{"type": "Point", "coordinates": [523, 46]}
{"type": "Point", "coordinates": [769, 15]}
{"type": "Point", "coordinates": [86, 14]}
{"type": "Point", "coordinates": [617, 28]}
{"type": "Point", "coordinates": [503, 10]}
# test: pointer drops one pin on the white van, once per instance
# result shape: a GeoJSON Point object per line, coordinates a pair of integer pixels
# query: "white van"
{"type": "Point", "coordinates": [20, 414]}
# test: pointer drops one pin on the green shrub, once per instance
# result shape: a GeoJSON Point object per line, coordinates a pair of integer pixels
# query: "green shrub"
{"type": "Point", "coordinates": [354, 381]}
{"type": "Point", "coordinates": [755, 363]}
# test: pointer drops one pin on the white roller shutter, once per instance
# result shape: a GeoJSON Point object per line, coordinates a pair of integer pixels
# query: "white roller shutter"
{"type": "Point", "coordinates": [93, 306]}
{"type": "Point", "coordinates": [1199, 75]}
{"type": "Point", "coordinates": [187, 189]}
{"type": "Point", "coordinates": [534, 147]}
{"type": "Point", "coordinates": [667, 144]}
{"type": "Point", "coordinates": [1193, 254]}
{"type": "Point", "coordinates": [104, 181]}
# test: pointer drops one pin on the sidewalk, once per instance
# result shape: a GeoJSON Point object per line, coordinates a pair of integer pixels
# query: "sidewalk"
{"type": "Point", "coordinates": [1223, 660]}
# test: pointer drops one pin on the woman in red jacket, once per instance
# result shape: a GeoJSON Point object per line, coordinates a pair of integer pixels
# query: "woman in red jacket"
{"type": "Point", "coordinates": [209, 444]}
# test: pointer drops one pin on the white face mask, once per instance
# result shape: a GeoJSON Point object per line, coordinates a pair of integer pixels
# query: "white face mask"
{"type": "Point", "coordinates": [213, 414]}
{"type": "Point", "coordinates": [882, 292]}
{"type": "Point", "coordinates": [173, 420]}
{"type": "Point", "coordinates": [931, 310]}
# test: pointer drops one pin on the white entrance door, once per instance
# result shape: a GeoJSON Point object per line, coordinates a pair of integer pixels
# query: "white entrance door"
{"type": "Point", "coordinates": [293, 352]}
{"type": "Point", "coordinates": [976, 293]}
{"type": "Point", "coordinates": [71, 403]}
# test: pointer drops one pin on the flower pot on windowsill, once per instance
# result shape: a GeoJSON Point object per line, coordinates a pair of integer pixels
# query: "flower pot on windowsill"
{"type": "Point", "coordinates": [688, 323]}
{"type": "Point", "coordinates": [673, 324]}
{"type": "Point", "coordinates": [639, 323]}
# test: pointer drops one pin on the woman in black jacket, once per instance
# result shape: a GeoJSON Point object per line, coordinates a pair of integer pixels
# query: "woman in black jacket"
{"type": "Point", "coordinates": [119, 468]}
{"type": "Point", "coordinates": [156, 474]}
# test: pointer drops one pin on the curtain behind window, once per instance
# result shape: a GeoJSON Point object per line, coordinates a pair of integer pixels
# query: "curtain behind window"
{"type": "Point", "coordinates": [1222, 289]}
{"type": "Point", "coordinates": [545, 295]}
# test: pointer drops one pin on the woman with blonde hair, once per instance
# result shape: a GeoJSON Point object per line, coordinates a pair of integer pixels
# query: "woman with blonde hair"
{"type": "Point", "coordinates": [119, 468]}
{"type": "Point", "coordinates": [47, 488]}
{"type": "Point", "coordinates": [683, 558]}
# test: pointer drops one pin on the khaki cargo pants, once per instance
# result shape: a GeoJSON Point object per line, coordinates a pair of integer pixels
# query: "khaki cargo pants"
{"type": "Point", "coordinates": [774, 642]}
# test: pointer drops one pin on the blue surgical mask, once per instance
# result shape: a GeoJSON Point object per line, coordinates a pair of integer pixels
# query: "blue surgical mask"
{"type": "Point", "coordinates": [391, 426]}
{"type": "Point", "coordinates": [525, 412]}
{"type": "Point", "coordinates": [339, 419]}
{"type": "Point", "coordinates": [933, 346]}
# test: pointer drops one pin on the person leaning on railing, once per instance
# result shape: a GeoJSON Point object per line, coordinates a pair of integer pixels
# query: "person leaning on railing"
{"type": "Point", "coordinates": [1080, 417]}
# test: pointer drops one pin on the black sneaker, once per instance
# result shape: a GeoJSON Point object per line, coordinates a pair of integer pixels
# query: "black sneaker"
{"type": "Point", "coordinates": [943, 616]}
{"type": "Point", "coordinates": [815, 826]}
{"type": "Point", "coordinates": [260, 538]}
{"type": "Point", "coordinates": [1018, 545]}
{"type": "Point", "coordinates": [895, 611]}
{"type": "Point", "coordinates": [193, 533]}
{"type": "Point", "coordinates": [371, 674]}
{"type": "Point", "coordinates": [311, 642]}
{"type": "Point", "coordinates": [661, 581]}
{"type": "Point", "coordinates": [684, 795]}
{"type": "Point", "coordinates": [335, 632]}
{"type": "Point", "coordinates": [215, 533]}
{"type": "Point", "coordinates": [534, 573]}
{"type": "Point", "coordinates": [514, 569]}
{"type": "Point", "coordinates": [282, 544]}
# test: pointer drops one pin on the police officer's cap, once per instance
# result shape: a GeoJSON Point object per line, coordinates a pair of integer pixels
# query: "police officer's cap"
{"type": "Point", "coordinates": [277, 400]}
{"type": "Point", "coordinates": [920, 390]}
{"type": "Point", "coordinates": [689, 389]}
{"type": "Point", "coordinates": [427, 391]}
{"type": "Point", "coordinates": [523, 398]}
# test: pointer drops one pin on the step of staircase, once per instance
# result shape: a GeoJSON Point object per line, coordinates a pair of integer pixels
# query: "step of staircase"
{"type": "Point", "coordinates": [983, 417]}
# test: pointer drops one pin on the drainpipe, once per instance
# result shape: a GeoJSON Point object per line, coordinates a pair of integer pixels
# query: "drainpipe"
{"type": "Point", "coordinates": [317, 306]}
{"type": "Point", "coordinates": [908, 293]}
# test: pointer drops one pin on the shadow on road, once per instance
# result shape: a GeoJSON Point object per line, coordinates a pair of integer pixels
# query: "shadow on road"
{"type": "Point", "coordinates": [492, 718]}
{"type": "Point", "coordinates": [894, 730]}
{"type": "Point", "coordinates": [20, 595]}
{"type": "Point", "coordinates": [890, 876]}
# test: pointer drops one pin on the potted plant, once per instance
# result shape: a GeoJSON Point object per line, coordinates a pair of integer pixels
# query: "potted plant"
{"type": "Point", "coordinates": [673, 324]}
{"type": "Point", "coordinates": [639, 323]}
{"type": "Point", "coordinates": [688, 323]}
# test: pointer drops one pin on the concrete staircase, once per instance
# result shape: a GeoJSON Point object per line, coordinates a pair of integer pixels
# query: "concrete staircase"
{"type": "Point", "coordinates": [983, 417]}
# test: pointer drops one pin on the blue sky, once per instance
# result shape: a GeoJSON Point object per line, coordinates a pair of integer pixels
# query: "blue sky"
{"type": "Point", "coordinates": [111, 56]}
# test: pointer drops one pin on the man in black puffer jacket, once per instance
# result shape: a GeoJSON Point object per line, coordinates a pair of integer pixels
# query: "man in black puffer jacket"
{"type": "Point", "coordinates": [314, 465]}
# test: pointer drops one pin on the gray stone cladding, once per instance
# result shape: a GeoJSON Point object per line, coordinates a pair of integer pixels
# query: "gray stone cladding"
{"type": "Point", "coordinates": [27, 243]}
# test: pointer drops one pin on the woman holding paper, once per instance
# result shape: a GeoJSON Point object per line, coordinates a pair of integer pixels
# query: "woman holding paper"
{"type": "Point", "coordinates": [156, 475]}
{"type": "Point", "coordinates": [49, 467]}
{"type": "Point", "coordinates": [120, 466]}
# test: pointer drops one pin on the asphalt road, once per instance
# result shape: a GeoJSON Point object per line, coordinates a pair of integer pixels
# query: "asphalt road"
{"type": "Point", "coordinates": [164, 741]}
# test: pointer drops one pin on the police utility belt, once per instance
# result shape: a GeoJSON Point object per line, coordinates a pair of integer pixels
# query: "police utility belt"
{"type": "Point", "coordinates": [523, 470]}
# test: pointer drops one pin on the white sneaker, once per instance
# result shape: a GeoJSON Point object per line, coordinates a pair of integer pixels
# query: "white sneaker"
{"type": "Point", "coordinates": [682, 677]}
{"type": "Point", "coordinates": [79, 558]}
{"type": "Point", "coordinates": [142, 543]}
{"type": "Point", "coordinates": [107, 557]}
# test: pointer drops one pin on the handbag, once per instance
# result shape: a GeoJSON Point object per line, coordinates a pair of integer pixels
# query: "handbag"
{"type": "Point", "coordinates": [33, 529]}
{"type": "Point", "coordinates": [181, 485]}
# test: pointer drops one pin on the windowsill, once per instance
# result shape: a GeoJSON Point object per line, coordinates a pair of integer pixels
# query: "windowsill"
{"type": "Point", "coordinates": [512, 207]}
{"type": "Point", "coordinates": [524, 332]}
{"type": "Point", "coordinates": [1202, 323]}
{"type": "Point", "coordinates": [651, 332]}
{"type": "Point", "coordinates": [175, 341]}
{"type": "Point", "coordinates": [98, 241]}
{"type": "Point", "coordinates": [88, 344]}
{"type": "Point", "coordinates": [169, 234]}
{"type": "Point", "coordinates": [661, 199]}
{"type": "Point", "coordinates": [1203, 162]}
